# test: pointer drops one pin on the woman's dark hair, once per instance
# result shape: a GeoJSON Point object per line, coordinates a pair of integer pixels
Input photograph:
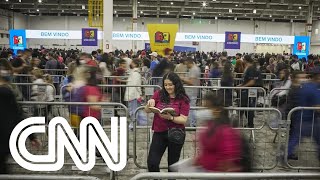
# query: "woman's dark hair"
{"type": "Point", "coordinates": [216, 100]}
{"type": "Point", "coordinates": [178, 88]}
{"type": "Point", "coordinates": [92, 80]}
{"type": "Point", "coordinates": [4, 64]}
{"type": "Point", "coordinates": [146, 62]}
{"type": "Point", "coordinates": [227, 72]}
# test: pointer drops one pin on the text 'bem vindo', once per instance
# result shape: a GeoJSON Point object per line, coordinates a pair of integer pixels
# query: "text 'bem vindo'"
{"type": "Point", "coordinates": [61, 136]}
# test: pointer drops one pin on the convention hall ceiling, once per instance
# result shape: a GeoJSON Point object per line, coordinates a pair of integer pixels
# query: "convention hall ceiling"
{"type": "Point", "coordinates": [270, 10]}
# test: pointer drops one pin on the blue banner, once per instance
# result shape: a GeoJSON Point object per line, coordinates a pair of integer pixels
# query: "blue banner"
{"type": "Point", "coordinates": [301, 46]}
{"type": "Point", "coordinates": [176, 48]}
{"type": "Point", "coordinates": [89, 37]}
{"type": "Point", "coordinates": [232, 40]}
{"type": "Point", "coordinates": [18, 40]}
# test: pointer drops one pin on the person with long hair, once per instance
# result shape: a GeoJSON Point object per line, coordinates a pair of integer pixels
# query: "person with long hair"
{"type": "Point", "coordinates": [220, 146]}
{"type": "Point", "coordinates": [171, 95]}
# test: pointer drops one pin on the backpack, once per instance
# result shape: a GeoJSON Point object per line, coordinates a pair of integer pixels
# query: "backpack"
{"type": "Point", "coordinates": [245, 155]}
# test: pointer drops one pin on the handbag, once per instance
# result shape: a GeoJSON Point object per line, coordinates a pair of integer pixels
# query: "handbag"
{"type": "Point", "coordinates": [176, 135]}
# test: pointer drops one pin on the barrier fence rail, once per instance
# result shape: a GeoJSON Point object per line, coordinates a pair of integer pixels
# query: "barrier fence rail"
{"type": "Point", "coordinates": [304, 122]}
{"type": "Point", "coordinates": [227, 176]}
{"type": "Point", "coordinates": [263, 150]}
{"type": "Point", "coordinates": [46, 177]}
{"type": "Point", "coordinates": [39, 90]}
{"type": "Point", "coordinates": [115, 92]}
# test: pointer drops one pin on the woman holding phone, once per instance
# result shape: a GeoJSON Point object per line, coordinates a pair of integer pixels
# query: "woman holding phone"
{"type": "Point", "coordinates": [168, 128]}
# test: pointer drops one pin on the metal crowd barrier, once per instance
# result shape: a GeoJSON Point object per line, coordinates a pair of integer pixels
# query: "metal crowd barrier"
{"type": "Point", "coordinates": [111, 78]}
{"type": "Point", "coordinates": [26, 89]}
{"type": "Point", "coordinates": [65, 109]}
{"type": "Point", "coordinates": [55, 71]}
{"type": "Point", "coordinates": [46, 177]}
{"type": "Point", "coordinates": [115, 93]}
{"type": "Point", "coordinates": [304, 122]}
{"type": "Point", "coordinates": [228, 176]}
{"type": "Point", "coordinates": [268, 160]}
{"type": "Point", "coordinates": [233, 96]}
{"type": "Point", "coordinates": [264, 75]}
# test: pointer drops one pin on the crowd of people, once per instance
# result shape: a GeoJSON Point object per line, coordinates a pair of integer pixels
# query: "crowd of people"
{"type": "Point", "coordinates": [221, 145]}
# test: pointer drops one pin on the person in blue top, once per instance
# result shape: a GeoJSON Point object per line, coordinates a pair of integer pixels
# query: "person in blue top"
{"type": "Point", "coordinates": [304, 123]}
{"type": "Point", "coordinates": [154, 61]}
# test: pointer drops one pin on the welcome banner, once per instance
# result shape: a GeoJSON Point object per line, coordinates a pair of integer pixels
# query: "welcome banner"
{"type": "Point", "coordinates": [232, 40]}
{"type": "Point", "coordinates": [162, 36]}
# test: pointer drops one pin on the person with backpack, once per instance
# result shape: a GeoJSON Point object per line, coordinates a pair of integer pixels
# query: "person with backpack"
{"type": "Point", "coordinates": [222, 148]}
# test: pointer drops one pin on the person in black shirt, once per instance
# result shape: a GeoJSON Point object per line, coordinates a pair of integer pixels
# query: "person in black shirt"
{"type": "Point", "coordinates": [251, 78]}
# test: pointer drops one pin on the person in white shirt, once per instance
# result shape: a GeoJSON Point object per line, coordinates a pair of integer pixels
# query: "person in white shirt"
{"type": "Point", "coordinates": [295, 65]}
{"type": "Point", "coordinates": [133, 95]}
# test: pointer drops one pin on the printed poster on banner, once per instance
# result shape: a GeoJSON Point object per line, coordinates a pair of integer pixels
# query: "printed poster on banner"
{"type": "Point", "coordinates": [301, 46]}
{"type": "Point", "coordinates": [89, 37]}
{"type": "Point", "coordinates": [17, 40]}
{"type": "Point", "coordinates": [233, 40]}
{"type": "Point", "coordinates": [162, 36]}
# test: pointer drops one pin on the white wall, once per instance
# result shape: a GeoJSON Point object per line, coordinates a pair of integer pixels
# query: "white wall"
{"type": "Point", "coordinates": [19, 21]}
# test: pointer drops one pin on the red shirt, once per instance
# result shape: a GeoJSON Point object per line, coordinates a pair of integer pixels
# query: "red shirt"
{"type": "Point", "coordinates": [223, 145]}
{"type": "Point", "coordinates": [181, 106]}
{"type": "Point", "coordinates": [92, 63]}
{"type": "Point", "coordinates": [91, 91]}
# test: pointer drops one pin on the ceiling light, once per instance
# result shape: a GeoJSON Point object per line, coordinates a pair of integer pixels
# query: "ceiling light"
{"type": "Point", "coordinates": [214, 0]}
{"type": "Point", "coordinates": [254, 11]}
{"type": "Point", "coordinates": [219, 14]}
{"type": "Point", "coordinates": [194, 13]}
{"type": "Point", "coordinates": [236, 5]}
{"type": "Point", "coordinates": [270, 15]}
{"type": "Point", "coordinates": [300, 7]}
{"type": "Point", "coordinates": [115, 12]}
{"type": "Point", "coordinates": [171, 3]}
{"type": "Point", "coordinates": [251, 1]}
{"type": "Point", "coordinates": [245, 15]}
{"type": "Point", "coordinates": [7, 0]}
{"type": "Point", "coordinates": [37, 10]}
{"type": "Point", "coordinates": [168, 12]}
{"type": "Point", "coordinates": [19, 0]}
{"type": "Point", "coordinates": [216, 18]}
{"type": "Point", "coordinates": [138, 2]}
{"type": "Point", "coordinates": [204, 4]}
{"type": "Point", "coordinates": [62, 10]}
{"type": "Point", "coordinates": [40, 1]}
{"type": "Point", "coordinates": [230, 10]}
{"type": "Point", "coordinates": [141, 12]}
{"type": "Point", "coordinates": [235, 18]}
{"type": "Point", "coordinates": [295, 17]}
{"type": "Point", "coordinates": [83, 7]}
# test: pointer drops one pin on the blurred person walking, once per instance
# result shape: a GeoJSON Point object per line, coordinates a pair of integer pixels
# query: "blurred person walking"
{"type": "Point", "coordinates": [11, 114]}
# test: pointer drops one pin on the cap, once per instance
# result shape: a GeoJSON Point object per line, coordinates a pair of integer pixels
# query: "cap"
{"type": "Point", "coordinates": [155, 54]}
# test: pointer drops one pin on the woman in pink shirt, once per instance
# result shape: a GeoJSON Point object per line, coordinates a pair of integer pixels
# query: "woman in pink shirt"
{"type": "Point", "coordinates": [171, 95]}
{"type": "Point", "coordinates": [220, 144]}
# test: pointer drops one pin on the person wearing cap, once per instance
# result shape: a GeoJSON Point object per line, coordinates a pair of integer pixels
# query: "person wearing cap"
{"type": "Point", "coordinates": [154, 60]}
{"type": "Point", "coordinates": [305, 123]}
